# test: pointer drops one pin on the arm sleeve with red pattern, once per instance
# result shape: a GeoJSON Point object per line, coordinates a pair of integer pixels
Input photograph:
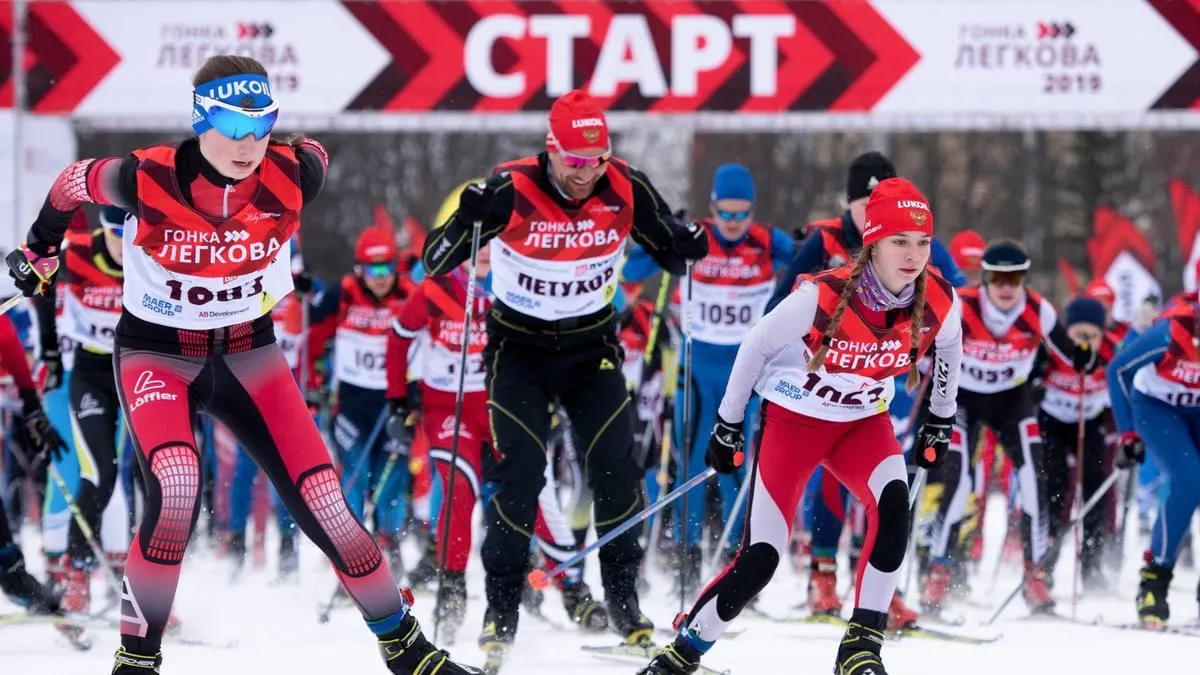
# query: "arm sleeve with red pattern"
{"type": "Point", "coordinates": [12, 356]}
{"type": "Point", "coordinates": [947, 344]}
{"type": "Point", "coordinates": [105, 181]}
{"type": "Point", "coordinates": [412, 317]}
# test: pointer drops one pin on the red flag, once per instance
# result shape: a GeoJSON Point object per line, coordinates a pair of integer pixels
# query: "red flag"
{"type": "Point", "coordinates": [382, 220]}
{"type": "Point", "coordinates": [1069, 276]}
{"type": "Point", "coordinates": [1186, 205]}
{"type": "Point", "coordinates": [1116, 234]}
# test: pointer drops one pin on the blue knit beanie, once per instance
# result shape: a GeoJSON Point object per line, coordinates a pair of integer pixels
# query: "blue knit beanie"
{"type": "Point", "coordinates": [1086, 310]}
{"type": "Point", "coordinates": [733, 181]}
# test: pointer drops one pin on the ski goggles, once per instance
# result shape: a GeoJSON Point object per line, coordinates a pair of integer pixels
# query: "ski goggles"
{"type": "Point", "coordinates": [376, 270]}
{"type": "Point", "coordinates": [734, 215]}
{"type": "Point", "coordinates": [233, 121]}
{"type": "Point", "coordinates": [584, 161]}
{"type": "Point", "coordinates": [1005, 278]}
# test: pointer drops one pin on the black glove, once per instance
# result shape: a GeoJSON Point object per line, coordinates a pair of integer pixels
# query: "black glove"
{"type": "Point", "coordinates": [397, 422]}
{"type": "Point", "coordinates": [475, 202]}
{"type": "Point", "coordinates": [1083, 357]}
{"type": "Point", "coordinates": [41, 432]}
{"type": "Point", "coordinates": [1130, 450]}
{"type": "Point", "coordinates": [933, 441]}
{"type": "Point", "coordinates": [725, 446]}
{"type": "Point", "coordinates": [690, 240]}
{"type": "Point", "coordinates": [52, 361]}
{"type": "Point", "coordinates": [30, 271]}
{"type": "Point", "coordinates": [303, 281]}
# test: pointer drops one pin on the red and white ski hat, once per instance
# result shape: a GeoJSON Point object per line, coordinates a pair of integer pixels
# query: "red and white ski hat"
{"type": "Point", "coordinates": [966, 248]}
{"type": "Point", "coordinates": [577, 123]}
{"type": "Point", "coordinates": [896, 206]}
{"type": "Point", "coordinates": [375, 245]}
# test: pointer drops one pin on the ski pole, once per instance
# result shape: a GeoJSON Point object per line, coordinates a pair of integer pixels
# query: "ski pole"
{"type": "Point", "coordinates": [459, 395]}
{"type": "Point", "coordinates": [1053, 549]}
{"type": "Point", "coordinates": [1078, 499]}
{"type": "Point", "coordinates": [86, 529]}
{"type": "Point", "coordinates": [540, 579]}
{"type": "Point", "coordinates": [688, 431]}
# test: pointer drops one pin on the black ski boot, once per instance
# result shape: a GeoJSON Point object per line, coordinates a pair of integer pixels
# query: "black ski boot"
{"type": "Point", "coordinates": [499, 631]}
{"type": "Point", "coordinates": [128, 663]}
{"type": "Point", "coordinates": [627, 620]}
{"type": "Point", "coordinates": [21, 587]}
{"type": "Point", "coordinates": [424, 575]}
{"type": "Point", "coordinates": [452, 603]}
{"type": "Point", "coordinates": [581, 607]}
{"type": "Point", "coordinates": [859, 652]}
{"type": "Point", "coordinates": [678, 658]}
{"type": "Point", "coordinates": [289, 557]}
{"type": "Point", "coordinates": [236, 552]}
{"type": "Point", "coordinates": [407, 652]}
{"type": "Point", "coordinates": [1152, 595]}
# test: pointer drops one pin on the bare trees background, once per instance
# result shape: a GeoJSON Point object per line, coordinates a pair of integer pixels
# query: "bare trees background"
{"type": "Point", "coordinates": [1040, 187]}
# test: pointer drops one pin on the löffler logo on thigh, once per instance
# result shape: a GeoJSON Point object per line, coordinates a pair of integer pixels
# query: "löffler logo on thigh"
{"type": "Point", "coordinates": [147, 389]}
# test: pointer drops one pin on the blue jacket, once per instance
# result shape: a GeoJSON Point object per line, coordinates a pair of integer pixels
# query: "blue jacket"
{"type": "Point", "coordinates": [639, 265]}
{"type": "Point", "coordinates": [1148, 347]}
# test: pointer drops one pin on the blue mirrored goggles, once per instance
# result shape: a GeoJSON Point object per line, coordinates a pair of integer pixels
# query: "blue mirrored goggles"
{"type": "Point", "coordinates": [232, 121]}
{"type": "Point", "coordinates": [118, 230]}
{"type": "Point", "coordinates": [734, 215]}
{"type": "Point", "coordinates": [377, 270]}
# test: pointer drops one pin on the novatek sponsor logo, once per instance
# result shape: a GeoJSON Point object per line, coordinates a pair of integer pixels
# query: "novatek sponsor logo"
{"type": "Point", "coordinates": [562, 289]}
{"type": "Point", "coordinates": [207, 248]}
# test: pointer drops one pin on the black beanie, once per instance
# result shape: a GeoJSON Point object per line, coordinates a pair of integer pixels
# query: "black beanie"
{"type": "Point", "coordinates": [1086, 310]}
{"type": "Point", "coordinates": [867, 171]}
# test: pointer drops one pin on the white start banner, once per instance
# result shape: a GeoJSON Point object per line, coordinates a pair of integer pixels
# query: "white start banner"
{"type": "Point", "coordinates": [127, 58]}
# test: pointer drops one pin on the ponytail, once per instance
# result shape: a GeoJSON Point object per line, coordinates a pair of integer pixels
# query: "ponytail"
{"type": "Point", "coordinates": [918, 314]}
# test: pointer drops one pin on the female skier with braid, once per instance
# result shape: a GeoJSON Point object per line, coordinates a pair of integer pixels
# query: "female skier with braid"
{"type": "Point", "coordinates": [824, 362]}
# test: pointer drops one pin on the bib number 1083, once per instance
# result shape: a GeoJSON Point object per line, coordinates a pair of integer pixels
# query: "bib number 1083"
{"type": "Point", "coordinates": [199, 295]}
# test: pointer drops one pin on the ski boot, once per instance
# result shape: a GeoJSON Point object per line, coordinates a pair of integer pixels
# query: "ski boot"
{"type": "Point", "coordinates": [289, 557]}
{"type": "Point", "coordinates": [424, 575]}
{"type": "Point", "coordinates": [21, 587]}
{"type": "Point", "coordinates": [675, 659]}
{"type": "Point", "coordinates": [859, 652]}
{"type": "Point", "coordinates": [452, 603]}
{"type": "Point", "coordinates": [581, 607]}
{"type": "Point", "coordinates": [1037, 591]}
{"type": "Point", "coordinates": [899, 614]}
{"type": "Point", "coordinates": [235, 553]}
{"type": "Point", "coordinates": [627, 619]}
{"type": "Point", "coordinates": [937, 587]}
{"type": "Point", "coordinates": [407, 652]}
{"type": "Point", "coordinates": [1152, 606]}
{"type": "Point", "coordinates": [689, 571]}
{"type": "Point", "coordinates": [77, 586]}
{"type": "Point", "coordinates": [128, 663]}
{"type": "Point", "coordinates": [499, 631]}
{"type": "Point", "coordinates": [822, 588]}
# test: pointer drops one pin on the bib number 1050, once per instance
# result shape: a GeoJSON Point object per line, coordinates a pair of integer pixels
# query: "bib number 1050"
{"type": "Point", "coordinates": [730, 315]}
{"type": "Point", "coordinates": [199, 295]}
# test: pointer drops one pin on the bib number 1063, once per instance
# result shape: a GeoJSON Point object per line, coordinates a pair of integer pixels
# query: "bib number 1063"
{"type": "Point", "coordinates": [860, 397]}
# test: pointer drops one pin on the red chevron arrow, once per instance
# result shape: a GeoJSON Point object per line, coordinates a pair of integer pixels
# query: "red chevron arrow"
{"type": "Point", "coordinates": [73, 56]}
{"type": "Point", "coordinates": [440, 82]}
{"type": "Point", "coordinates": [1184, 17]}
{"type": "Point", "coordinates": [802, 59]}
{"type": "Point", "coordinates": [526, 56]}
{"type": "Point", "coordinates": [407, 55]}
{"type": "Point", "coordinates": [894, 57]}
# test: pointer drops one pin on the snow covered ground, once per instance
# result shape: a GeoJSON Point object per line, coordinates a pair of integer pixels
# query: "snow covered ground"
{"type": "Point", "coordinates": [276, 630]}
